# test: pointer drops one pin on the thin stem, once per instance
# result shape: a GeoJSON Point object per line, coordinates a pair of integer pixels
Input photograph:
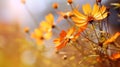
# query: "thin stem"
{"type": "Point", "coordinates": [88, 39]}
{"type": "Point", "coordinates": [69, 22]}
{"type": "Point", "coordinates": [108, 26]}
{"type": "Point", "coordinates": [56, 27]}
{"type": "Point", "coordinates": [95, 32]}
{"type": "Point", "coordinates": [71, 6]}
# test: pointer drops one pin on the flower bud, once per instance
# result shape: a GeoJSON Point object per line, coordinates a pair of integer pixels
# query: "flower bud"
{"type": "Point", "coordinates": [64, 57]}
{"type": "Point", "coordinates": [26, 30]}
{"type": "Point", "coordinates": [55, 5]}
{"type": "Point", "coordinates": [70, 1]}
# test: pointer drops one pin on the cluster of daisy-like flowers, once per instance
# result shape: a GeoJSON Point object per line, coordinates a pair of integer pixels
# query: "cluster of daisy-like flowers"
{"type": "Point", "coordinates": [44, 31]}
{"type": "Point", "coordinates": [91, 25]}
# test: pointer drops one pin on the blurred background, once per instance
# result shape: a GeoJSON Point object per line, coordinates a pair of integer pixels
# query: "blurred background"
{"type": "Point", "coordinates": [16, 47]}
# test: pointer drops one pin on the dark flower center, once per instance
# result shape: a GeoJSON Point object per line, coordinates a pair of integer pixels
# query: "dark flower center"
{"type": "Point", "coordinates": [90, 19]}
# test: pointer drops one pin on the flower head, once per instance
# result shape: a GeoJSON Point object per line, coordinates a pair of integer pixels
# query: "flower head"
{"type": "Point", "coordinates": [38, 36]}
{"type": "Point", "coordinates": [44, 31]}
{"type": "Point", "coordinates": [47, 25]}
{"type": "Point", "coordinates": [90, 15]}
{"type": "Point", "coordinates": [66, 37]}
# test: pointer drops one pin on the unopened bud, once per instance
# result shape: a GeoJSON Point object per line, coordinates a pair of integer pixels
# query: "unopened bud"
{"type": "Point", "coordinates": [26, 30]}
{"type": "Point", "coordinates": [70, 1]}
{"type": "Point", "coordinates": [55, 5]}
{"type": "Point", "coordinates": [65, 16]}
{"type": "Point", "coordinates": [64, 57]}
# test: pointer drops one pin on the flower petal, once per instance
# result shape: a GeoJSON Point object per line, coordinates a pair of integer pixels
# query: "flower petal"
{"type": "Point", "coordinates": [86, 9]}
{"type": "Point", "coordinates": [95, 10]}
{"type": "Point", "coordinates": [50, 19]}
{"type": "Point", "coordinates": [70, 32]}
{"type": "Point", "coordinates": [78, 14]}
{"type": "Point", "coordinates": [63, 44]}
{"type": "Point", "coordinates": [100, 17]}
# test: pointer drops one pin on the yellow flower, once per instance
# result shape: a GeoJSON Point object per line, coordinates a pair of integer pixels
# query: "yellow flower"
{"type": "Point", "coordinates": [95, 14]}
{"type": "Point", "coordinates": [112, 39]}
{"type": "Point", "coordinates": [66, 37]}
{"type": "Point", "coordinates": [38, 36]}
{"type": "Point", "coordinates": [48, 24]}
{"type": "Point", "coordinates": [44, 31]}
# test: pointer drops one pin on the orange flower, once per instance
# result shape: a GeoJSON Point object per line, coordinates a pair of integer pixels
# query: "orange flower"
{"type": "Point", "coordinates": [66, 37]}
{"type": "Point", "coordinates": [112, 39]}
{"type": "Point", "coordinates": [95, 14]}
{"type": "Point", "coordinates": [115, 56]}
